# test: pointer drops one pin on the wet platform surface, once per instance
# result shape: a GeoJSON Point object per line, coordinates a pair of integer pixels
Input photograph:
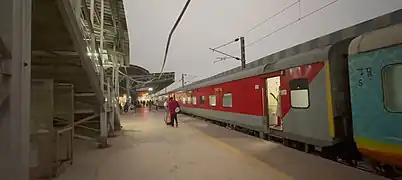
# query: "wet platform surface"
{"type": "Point", "coordinates": [147, 149]}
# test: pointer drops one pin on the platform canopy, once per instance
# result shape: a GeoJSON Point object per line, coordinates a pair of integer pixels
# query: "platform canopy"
{"type": "Point", "coordinates": [141, 80]}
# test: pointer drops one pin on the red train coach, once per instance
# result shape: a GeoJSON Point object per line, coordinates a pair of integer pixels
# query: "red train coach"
{"type": "Point", "coordinates": [297, 98]}
{"type": "Point", "coordinates": [300, 94]}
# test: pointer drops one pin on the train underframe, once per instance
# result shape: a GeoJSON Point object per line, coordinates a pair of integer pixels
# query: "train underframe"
{"type": "Point", "coordinates": [345, 152]}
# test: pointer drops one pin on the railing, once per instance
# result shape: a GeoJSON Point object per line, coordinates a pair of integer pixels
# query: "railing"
{"type": "Point", "coordinates": [101, 58]}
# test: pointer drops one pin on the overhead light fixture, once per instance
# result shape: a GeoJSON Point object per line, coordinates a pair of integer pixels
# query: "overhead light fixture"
{"type": "Point", "coordinates": [150, 89]}
{"type": "Point", "coordinates": [89, 54]}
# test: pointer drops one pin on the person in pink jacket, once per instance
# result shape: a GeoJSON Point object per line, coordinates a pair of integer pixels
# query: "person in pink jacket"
{"type": "Point", "coordinates": [172, 107]}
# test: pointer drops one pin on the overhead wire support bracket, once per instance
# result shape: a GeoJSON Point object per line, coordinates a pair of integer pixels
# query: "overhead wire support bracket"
{"type": "Point", "coordinates": [228, 55]}
{"type": "Point", "coordinates": [230, 42]}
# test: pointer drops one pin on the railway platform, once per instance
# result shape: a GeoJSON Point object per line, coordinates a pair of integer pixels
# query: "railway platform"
{"type": "Point", "coordinates": [147, 149]}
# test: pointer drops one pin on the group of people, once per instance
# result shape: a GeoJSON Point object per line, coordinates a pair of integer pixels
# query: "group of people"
{"type": "Point", "coordinates": [172, 108]}
{"type": "Point", "coordinates": [145, 103]}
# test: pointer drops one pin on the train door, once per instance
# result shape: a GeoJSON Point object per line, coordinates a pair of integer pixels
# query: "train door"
{"type": "Point", "coordinates": [273, 102]}
{"type": "Point", "coordinates": [218, 97]}
{"type": "Point", "coordinates": [214, 98]}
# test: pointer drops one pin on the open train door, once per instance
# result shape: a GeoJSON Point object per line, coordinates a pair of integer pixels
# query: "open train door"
{"type": "Point", "coordinates": [273, 102]}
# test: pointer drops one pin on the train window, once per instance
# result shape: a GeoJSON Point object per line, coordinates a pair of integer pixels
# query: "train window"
{"type": "Point", "coordinates": [189, 100]}
{"type": "Point", "coordinates": [227, 100]}
{"type": "Point", "coordinates": [392, 87]}
{"type": "Point", "coordinates": [212, 100]}
{"type": "Point", "coordinates": [194, 100]}
{"type": "Point", "coordinates": [299, 93]}
{"type": "Point", "coordinates": [184, 100]}
{"type": "Point", "coordinates": [202, 99]}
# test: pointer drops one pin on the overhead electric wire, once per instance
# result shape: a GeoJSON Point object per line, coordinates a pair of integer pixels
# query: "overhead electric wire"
{"type": "Point", "coordinates": [168, 41]}
{"type": "Point", "coordinates": [261, 23]}
{"type": "Point", "coordinates": [291, 23]}
{"type": "Point", "coordinates": [273, 16]}
{"type": "Point", "coordinates": [171, 33]}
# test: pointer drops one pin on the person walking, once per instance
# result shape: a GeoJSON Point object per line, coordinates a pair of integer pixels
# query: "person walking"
{"type": "Point", "coordinates": [174, 108]}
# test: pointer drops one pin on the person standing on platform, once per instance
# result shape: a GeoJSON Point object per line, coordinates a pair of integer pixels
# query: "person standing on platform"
{"type": "Point", "coordinates": [174, 108]}
{"type": "Point", "coordinates": [150, 105]}
{"type": "Point", "coordinates": [165, 106]}
{"type": "Point", "coordinates": [156, 105]}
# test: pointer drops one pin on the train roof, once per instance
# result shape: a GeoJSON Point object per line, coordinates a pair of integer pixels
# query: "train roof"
{"type": "Point", "coordinates": [313, 56]}
{"type": "Point", "coordinates": [378, 39]}
{"type": "Point", "coordinates": [307, 49]}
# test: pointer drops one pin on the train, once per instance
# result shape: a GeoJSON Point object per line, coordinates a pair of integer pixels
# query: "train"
{"type": "Point", "coordinates": [338, 95]}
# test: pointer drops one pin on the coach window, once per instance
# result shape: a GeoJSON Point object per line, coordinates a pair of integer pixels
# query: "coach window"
{"type": "Point", "coordinates": [392, 87]}
{"type": "Point", "coordinates": [189, 100]}
{"type": "Point", "coordinates": [299, 93]}
{"type": "Point", "coordinates": [194, 100]}
{"type": "Point", "coordinates": [227, 100]}
{"type": "Point", "coordinates": [184, 100]}
{"type": "Point", "coordinates": [212, 100]}
{"type": "Point", "coordinates": [202, 99]}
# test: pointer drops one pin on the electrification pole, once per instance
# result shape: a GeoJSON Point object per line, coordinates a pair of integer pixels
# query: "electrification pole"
{"type": "Point", "coordinates": [182, 80]}
{"type": "Point", "coordinates": [243, 53]}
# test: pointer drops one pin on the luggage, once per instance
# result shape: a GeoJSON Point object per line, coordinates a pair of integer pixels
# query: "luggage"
{"type": "Point", "coordinates": [168, 120]}
{"type": "Point", "coordinates": [177, 110]}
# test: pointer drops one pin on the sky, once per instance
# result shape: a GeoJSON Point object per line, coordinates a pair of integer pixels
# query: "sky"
{"type": "Point", "coordinates": [210, 23]}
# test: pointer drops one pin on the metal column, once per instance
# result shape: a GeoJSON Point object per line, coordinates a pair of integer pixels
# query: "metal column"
{"type": "Point", "coordinates": [104, 118]}
{"type": "Point", "coordinates": [117, 85]}
{"type": "Point", "coordinates": [110, 104]}
{"type": "Point", "coordinates": [93, 40]}
{"type": "Point", "coordinates": [115, 93]}
{"type": "Point", "coordinates": [77, 9]}
{"type": "Point", "coordinates": [15, 75]}
{"type": "Point", "coordinates": [128, 87]}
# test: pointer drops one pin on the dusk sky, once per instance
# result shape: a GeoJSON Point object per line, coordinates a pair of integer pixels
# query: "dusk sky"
{"type": "Point", "coordinates": [210, 23]}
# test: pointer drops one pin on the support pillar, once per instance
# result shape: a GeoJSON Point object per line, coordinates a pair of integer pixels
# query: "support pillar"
{"type": "Point", "coordinates": [103, 143]}
{"type": "Point", "coordinates": [15, 78]}
{"type": "Point", "coordinates": [104, 118]}
{"type": "Point", "coordinates": [110, 107]}
{"type": "Point", "coordinates": [128, 87]}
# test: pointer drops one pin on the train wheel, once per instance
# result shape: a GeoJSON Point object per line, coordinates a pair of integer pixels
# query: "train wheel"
{"type": "Point", "coordinates": [351, 162]}
{"type": "Point", "coordinates": [388, 171]}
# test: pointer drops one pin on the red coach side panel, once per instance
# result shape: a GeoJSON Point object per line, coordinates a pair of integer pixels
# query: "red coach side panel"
{"type": "Point", "coordinates": [247, 96]}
